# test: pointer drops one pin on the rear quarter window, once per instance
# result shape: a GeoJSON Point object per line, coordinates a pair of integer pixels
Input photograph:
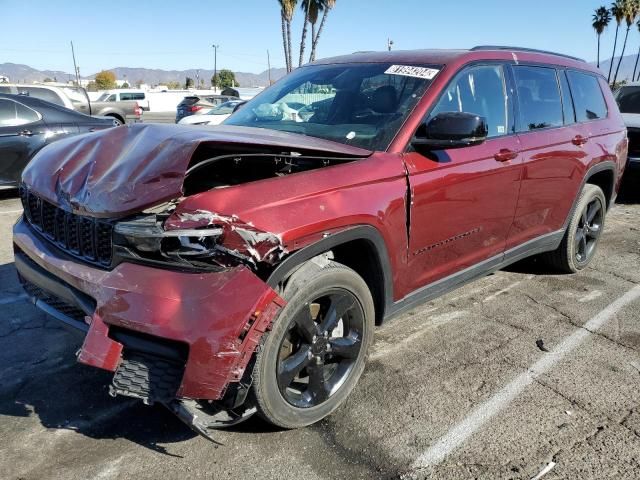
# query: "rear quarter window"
{"type": "Point", "coordinates": [538, 97]}
{"type": "Point", "coordinates": [587, 96]}
{"type": "Point", "coordinates": [43, 94]}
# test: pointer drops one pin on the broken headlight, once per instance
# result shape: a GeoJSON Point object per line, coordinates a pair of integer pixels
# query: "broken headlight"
{"type": "Point", "coordinates": [144, 238]}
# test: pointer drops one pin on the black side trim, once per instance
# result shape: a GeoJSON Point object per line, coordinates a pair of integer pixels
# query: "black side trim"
{"type": "Point", "coordinates": [545, 243]}
{"type": "Point", "coordinates": [361, 232]}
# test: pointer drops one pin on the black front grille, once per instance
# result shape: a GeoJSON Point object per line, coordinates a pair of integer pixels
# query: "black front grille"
{"type": "Point", "coordinates": [84, 237]}
{"type": "Point", "coordinates": [54, 302]}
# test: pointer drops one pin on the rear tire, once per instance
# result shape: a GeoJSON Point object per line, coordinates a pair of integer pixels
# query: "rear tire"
{"type": "Point", "coordinates": [583, 233]}
{"type": "Point", "coordinates": [314, 355]}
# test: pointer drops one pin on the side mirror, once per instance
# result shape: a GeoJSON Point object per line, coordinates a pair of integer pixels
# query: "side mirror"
{"type": "Point", "coordinates": [451, 130]}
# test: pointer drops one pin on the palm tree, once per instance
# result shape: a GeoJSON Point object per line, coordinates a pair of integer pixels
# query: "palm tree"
{"type": "Point", "coordinates": [631, 9]}
{"type": "Point", "coordinates": [617, 10]}
{"type": "Point", "coordinates": [327, 5]}
{"type": "Point", "coordinates": [306, 7]}
{"type": "Point", "coordinates": [315, 7]}
{"type": "Point", "coordinates": [601, 19]}
{"type": "Point", "coordinates": [287, 9]}
{"type": "Point", "coordinates": [635, 67]}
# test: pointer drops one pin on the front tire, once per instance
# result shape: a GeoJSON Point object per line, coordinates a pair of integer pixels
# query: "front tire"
{"type": "Point", "coordinates": [583, 233]}
{"type": "Point", "coordinates": [316, 351]}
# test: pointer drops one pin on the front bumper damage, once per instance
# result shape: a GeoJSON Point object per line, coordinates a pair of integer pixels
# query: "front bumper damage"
{"type": "Point", "coordinates": [169, 337]}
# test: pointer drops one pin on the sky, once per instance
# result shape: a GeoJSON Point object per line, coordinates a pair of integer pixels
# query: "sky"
{"type": "Point", "coordinates": [174, 35]}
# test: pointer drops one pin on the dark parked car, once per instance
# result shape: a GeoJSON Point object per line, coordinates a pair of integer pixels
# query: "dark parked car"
{"type": "Point", "coordinates": [199, 104]}
{"type": "Point", "coordinates": [240, 269]}
{"type": "Point", "coordinates": [27, 124]}
{"type": "Point", "coordinates": [628, 99]}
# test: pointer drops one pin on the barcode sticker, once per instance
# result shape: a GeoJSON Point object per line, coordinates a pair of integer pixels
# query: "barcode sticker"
{"type": "Point", "coordinates": [411, 71]}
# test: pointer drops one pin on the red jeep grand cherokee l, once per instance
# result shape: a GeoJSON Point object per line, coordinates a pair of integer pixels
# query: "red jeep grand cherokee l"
{"type": "Point", "coordinates": [239, 269]}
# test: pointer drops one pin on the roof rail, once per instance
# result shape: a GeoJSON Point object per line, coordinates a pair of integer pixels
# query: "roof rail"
{"type": "Point", "coordinates": [520, 49]}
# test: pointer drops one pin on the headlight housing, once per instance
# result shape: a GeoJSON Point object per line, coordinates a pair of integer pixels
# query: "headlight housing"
{"type": "Point", "coordinates": [144, 238]}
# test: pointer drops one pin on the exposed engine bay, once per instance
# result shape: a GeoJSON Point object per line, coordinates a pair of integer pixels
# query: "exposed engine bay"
{"type": "Point", "coordinates": [219, 166]}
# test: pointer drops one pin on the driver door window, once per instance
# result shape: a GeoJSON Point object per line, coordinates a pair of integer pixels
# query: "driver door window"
{"type": "Point", "coordinates": [479, 90]}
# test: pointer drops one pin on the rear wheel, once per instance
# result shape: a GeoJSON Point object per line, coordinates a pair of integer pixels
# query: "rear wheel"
{"type": "Point", "coordinates": [315, 353]}
{"type": "Point", "coordinates": [583, 233]}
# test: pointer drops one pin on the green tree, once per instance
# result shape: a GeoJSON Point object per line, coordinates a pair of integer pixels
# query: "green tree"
{"type": "Point", "coordinates": [173, 85]}
{"type": "Point", "coordinates": [92, 86]}
{"type": "Point", "coordinates": [124, 85]}
{"type": "Point", "coordinates": [105, 80]}
{"type": "Point", "coordinates": [223, 79]}
{"type": "Point", "coordinates": [327, 5]}
{"type": "Point", "coordinates": [188, 82]}
{"type": "Point", "coordinates": [48, 80]}
{"type": "Point", "coordinates": [630, 10]}
{"type": "Point", "coordinates": [601, 19]}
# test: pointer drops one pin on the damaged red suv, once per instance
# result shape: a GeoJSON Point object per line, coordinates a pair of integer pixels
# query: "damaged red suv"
{"type": "Point", "coordinates": [224, 271]}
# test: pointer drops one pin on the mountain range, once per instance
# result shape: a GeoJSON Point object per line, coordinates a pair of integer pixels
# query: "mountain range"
{"type": "Point", "coordinates": [24, 74]}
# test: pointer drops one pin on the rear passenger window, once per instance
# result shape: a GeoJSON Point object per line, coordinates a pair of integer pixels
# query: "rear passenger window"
{"type": "Point", "coordinates": [567, 102]}
{"type": "Point", "coordinates": [479, 90]}
{"type": "Point", "coordinates": [587, 96]}
{"type": "Point", "coordinates": [13, 114]}
{"type": "Point", "coordinates": [538, 97]}
{"type": "Point", "coordinates": [126, 96]}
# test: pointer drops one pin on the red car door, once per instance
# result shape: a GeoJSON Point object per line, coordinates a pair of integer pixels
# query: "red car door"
{"type": "Point", "coordinates": [463, 200]}
{"type": "Point", "coordinates": [552, 149]}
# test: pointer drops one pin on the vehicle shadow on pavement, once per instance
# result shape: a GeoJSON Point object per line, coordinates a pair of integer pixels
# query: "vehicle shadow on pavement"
{"type": "Point", "coordinates": [40, 379]}
{"type": "Point", "coordinates": [8, 193]}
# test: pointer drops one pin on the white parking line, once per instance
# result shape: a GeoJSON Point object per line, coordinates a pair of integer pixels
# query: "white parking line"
{"type": "Point", "coordinates": [457, 435]}
{"type": "Point", "coordinates": [13, 299]}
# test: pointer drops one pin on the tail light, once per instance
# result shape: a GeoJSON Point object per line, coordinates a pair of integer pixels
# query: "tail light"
{"type": "Point", "coordinates": [137, 111]}
{"type": "Point", "coordinates": [195, 108]}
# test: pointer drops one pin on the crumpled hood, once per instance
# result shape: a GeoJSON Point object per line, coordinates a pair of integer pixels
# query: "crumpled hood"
{"type": "Point", "coordinates": [126, 169]}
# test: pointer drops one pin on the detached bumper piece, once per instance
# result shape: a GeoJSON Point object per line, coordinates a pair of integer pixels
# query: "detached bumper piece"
{"type": "Point", "coordinates": [149, 378]}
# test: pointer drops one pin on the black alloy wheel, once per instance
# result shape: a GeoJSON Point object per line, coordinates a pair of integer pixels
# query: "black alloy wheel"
{"type": "Point", "coordinates": [320, 348]}
{"type": "Point", "coordinates": [588, 230]}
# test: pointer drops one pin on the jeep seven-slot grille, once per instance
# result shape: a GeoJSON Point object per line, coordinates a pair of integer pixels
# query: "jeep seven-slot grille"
{"type": "Point", "coordinates": [83, 237]}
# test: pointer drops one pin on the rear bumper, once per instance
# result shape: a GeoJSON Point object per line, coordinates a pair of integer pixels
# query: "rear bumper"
{"type": "Point", "coordinates": [219, 318]}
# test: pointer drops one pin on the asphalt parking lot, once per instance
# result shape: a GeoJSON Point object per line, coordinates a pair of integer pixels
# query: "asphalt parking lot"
{"type": "Point", "coordinates": [521, 373]}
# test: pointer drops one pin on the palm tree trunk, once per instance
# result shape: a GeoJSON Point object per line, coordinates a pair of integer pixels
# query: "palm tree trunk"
{"type": "Point", "coordinates": [284, 40]}
{"type": "Point", "coordinates": [313, 36]}
{"type": "Point", "coordinates": [624, 45]}
{"type": "Point", "coordinates": [314, 42]}
{"type": "Point", "coordinates": [598, 65]}
{"type": "Point", "coordinates": [613, 56]}
{"type": "Point", "coordinates": [633, 77]}
{"type": "Point", "coordinates": [289, 56]}
{"type": "Point", "coordinates": [304, 33]}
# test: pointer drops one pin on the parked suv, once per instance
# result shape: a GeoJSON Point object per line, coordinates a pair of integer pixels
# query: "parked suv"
{"type": "Point", "coordinates": [68, 96]}
{"type": "Point", "coordinates": [628, 100]}
{"type": "Point", "coordinates": [242, 269]}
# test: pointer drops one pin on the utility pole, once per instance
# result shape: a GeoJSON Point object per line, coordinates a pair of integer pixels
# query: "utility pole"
{"type": "Point", "coordinates": [76, 69]}
{"type": "Point", "coordinates": [215, 66]}
{"type": "Point", "coordinates": [389, 44]}
{"type": "Point", "coordinates": [269, 66]}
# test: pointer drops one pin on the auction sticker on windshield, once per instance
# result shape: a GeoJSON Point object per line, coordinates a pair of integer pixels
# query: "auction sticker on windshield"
{"type": "Point", "coordinates": [411, 71]}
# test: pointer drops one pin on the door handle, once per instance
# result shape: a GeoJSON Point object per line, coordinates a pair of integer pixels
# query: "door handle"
{"type": "Point", "coordinates": [26, 133]}
{"type": "Point", "coordinates": [504, 155]}
{"type": "Point", "coordinates": [579, 140]}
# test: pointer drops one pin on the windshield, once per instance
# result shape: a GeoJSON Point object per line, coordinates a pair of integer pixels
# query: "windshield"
{"type": "Point", "coordinates": [75, 94]}
{"type": "Point", "coordinates": [103, 97]}
{"type": "Point", "coordinates": [356, 104]}
{"type": "Point", "coordinates": [628, 99]}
